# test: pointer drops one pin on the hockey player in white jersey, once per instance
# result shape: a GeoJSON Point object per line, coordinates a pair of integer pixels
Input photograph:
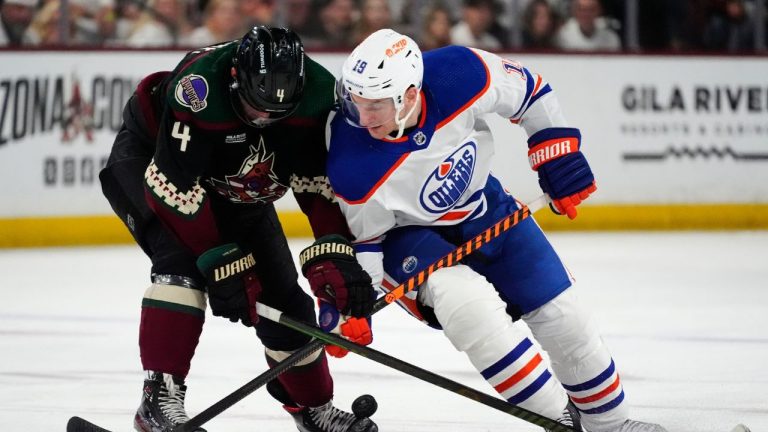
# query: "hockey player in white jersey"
{"type": "Point", "coordinates": [409, 160]}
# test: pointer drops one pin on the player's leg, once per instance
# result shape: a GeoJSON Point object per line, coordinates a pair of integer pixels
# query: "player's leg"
{"type": "Point", "coordinates": [172, 317]}
{"type": "Point", "coordinates": [530, 277]}
{"type": "Point", "coordinates": [173, 306]}
{"type": "Point", "coordinates": [306, 390]}
{"type": "Point", "coordinates": [582, 362]}
{"type": "Point", "coordinates": [475, 320]}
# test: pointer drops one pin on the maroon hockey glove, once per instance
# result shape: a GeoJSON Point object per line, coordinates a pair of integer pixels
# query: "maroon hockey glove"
{"type": "Point", "coordinates": [233, 287]}
{"type": "Point", "coordinates": [564, 173]}
{"type": "Point", "coordinates": [336, 277]}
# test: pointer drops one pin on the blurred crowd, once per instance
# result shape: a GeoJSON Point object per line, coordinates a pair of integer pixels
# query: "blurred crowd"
{"type": "Point", "coordinates": [540, 25]}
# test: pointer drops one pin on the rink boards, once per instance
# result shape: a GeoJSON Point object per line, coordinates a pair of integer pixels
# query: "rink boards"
{"type": "Point", "coordinates": [676, 142]}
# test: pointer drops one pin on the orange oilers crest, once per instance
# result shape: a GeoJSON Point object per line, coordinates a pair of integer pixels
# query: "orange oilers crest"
{"type": "Point", "coordinates": [444, 168]}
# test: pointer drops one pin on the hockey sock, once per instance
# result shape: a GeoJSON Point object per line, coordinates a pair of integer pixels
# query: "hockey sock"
{"type": "Point", "coordinates": [309, 383]}
{"type": "Point", "coordinates": [171, 322]}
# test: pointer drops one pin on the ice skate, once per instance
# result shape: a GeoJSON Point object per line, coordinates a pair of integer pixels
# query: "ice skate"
{"type": "Point", "coordinates": [570, 417]}
{"type": "Point", "coordinates": [638, 426]}
{"type": "Point", "coordinates": [162, 404]}
{"type": "Point", "coordinates": [327, 418]}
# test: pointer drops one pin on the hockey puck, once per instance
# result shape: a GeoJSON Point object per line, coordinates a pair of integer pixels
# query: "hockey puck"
{"type": "Point", "coordinates": [364, 406]}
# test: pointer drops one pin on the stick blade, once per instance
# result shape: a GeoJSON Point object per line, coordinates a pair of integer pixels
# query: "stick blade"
{"type": "Point", "coordinates": [78, 424]}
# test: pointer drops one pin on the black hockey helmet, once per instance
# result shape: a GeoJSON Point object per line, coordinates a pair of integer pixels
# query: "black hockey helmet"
{"type": "Point", "coordinates": [268, 75]}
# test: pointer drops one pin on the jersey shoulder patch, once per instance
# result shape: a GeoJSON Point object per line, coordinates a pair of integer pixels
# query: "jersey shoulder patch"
{"type": "Point", "coordinates": [455, 76]}
{"type": "Point", "coordinates": [199, 90]}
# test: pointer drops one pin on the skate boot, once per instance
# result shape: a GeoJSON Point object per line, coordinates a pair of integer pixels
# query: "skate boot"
{"type": "Point", "coordinates": [328, 418]}
{"type": "Point", "coordinates": [570, 417]}
{"type": "Point", "coordinates": [162, 404]}
{"type": "Point", "coordinates": [638, 426]}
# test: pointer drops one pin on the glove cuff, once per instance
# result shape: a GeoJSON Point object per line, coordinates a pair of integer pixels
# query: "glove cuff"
{"type": "Point", "coordinates": [224, 261]}
{"type": "Point", "coordinates": [330, 247]}
{"type": "Point", "coordinates": [551, 143]}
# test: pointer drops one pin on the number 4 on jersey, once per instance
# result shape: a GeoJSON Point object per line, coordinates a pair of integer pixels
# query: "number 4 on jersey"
{"type": "Point", "coordinates": [181, 134]}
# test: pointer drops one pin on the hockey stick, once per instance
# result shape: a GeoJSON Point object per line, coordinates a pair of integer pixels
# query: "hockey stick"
{"type": "Point", "coordinates": [80, 425]}
{"type": "Point", "coordinates": [412, 370]}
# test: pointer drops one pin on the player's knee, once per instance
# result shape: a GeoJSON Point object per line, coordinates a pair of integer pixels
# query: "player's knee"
{"type": "Point", "coordinates": [466, 305]}
{"type": "Point", "coordinates": [176, 292]}
{"type": "Point", "coordinates": [564, 327]}
{"type": "Point", "coordinates": [277, 356]}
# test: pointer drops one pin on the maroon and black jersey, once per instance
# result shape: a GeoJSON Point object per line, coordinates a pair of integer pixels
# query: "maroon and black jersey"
{"type": "Point", "coordinates": [205, 152]}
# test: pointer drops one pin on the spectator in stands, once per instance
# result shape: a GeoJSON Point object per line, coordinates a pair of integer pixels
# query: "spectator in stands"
{"type": "Point", "coordinates": [257, 12]}
{"type": "Point", "coordinates": [374, 15]}
{"type": "Point", "coordinates": [337, 17]}
{"type": "Point", "coordinates": [162, 23]}
{"type": "Point", "coordinates": [299, 17]}
{"type": "Point", "coordinates": [437, 28]}
{"type": "Point", "coordinates": [474, 28]}
{"type": "Point", "coordinates": [732, 29]}
{"type": "Point", "coordinates": [540, 24]}
{"type": "Point", "coordinates": [221, 22]}
{"type": "Point", "coordinates": [45, 27]}
{"type": "Point", "coordinates": [587, 29]}
{"type": "Point", "coordinates": [96, 19]}
{"type": "Point", "coordinates": [15, 17]}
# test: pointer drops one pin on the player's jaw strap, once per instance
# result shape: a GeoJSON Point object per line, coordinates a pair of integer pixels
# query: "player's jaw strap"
{"type": "Point", "coordinates": [551, 143]}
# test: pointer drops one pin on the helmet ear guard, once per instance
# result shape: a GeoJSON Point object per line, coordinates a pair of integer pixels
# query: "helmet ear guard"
{"type": "Point", "coordinates": [267, 75]}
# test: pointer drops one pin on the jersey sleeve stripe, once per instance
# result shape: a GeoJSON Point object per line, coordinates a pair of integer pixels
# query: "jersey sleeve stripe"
{"type": "Point", "coordinates": [546, 89]}
{"type": "Point", "coordinates": [529, 84]}
{"type": "Point", "coordinates": [378, 183]}
{"type": "Point", "coordinates": [474, 98]}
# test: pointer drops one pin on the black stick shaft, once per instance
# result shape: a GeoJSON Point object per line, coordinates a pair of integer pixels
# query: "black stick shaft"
{"type": "Point", "coordinates": [413, 370]}
{"type": "Point", "coordinates": [452, 258]}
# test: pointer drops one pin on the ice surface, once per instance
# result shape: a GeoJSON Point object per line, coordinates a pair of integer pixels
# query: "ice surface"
{"type": "Point", "coordinates": [684, 314]}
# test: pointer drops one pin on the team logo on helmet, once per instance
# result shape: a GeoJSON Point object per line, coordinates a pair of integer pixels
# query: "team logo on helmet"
{"type": "Point", "coordinates": [191, 91]}
{"type": "Point", "coordinates": [410, 263]}
{"type": "Point", "coordinates": [448, 182]}
{"type": "Point", "coordinates": [396, 47]}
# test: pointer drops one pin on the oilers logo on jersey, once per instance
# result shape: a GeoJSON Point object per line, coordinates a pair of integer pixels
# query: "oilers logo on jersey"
{"type": "Point", "coordinates": [448, 182]}
{"type": "Point", "coordinates": [410, 263]}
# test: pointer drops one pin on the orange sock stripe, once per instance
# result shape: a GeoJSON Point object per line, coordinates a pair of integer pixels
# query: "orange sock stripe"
{"type": "Point", "coordinates": [598, 396]}
{"type": "Point", "coordinates": [522, 373]}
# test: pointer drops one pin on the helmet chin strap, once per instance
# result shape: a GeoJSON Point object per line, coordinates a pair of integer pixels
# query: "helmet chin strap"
{"type": "Point", "coordinates": [401, 121]}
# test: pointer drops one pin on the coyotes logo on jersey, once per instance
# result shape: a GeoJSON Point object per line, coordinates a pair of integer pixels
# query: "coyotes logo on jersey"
{"type": "Point", "coordinates": [254, 182]}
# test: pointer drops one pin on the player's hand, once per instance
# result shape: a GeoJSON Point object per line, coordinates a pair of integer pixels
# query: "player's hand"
{"type": "Point", "coordinates": [232, 284]}
{"type": "Point", "coordinates": [564, 173]}
{"type": "Point", "coordinates": [358, 330]}
{"type": "Point", "coordinates": [336, 277]}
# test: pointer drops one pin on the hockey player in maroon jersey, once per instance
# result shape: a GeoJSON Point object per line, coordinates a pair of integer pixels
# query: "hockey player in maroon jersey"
{"type": "Point", "coordinates": [203, 152]}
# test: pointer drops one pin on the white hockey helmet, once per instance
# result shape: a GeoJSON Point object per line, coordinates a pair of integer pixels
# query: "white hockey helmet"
{"type": "Point", "coordinates": [383, 66]}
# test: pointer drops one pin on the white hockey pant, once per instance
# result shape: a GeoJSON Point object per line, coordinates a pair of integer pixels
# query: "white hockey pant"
{"type": "Point", "coordinates": [475, 320]}
{"type": "Point", "coordinates": [580, 361]}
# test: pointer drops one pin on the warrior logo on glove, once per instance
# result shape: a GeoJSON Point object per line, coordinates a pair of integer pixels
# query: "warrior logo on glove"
{"type": "Point", "coordinates": [232, 284]}
{"type": "Point", "coordinates": [336, 277]}
{"type": "Point", "coordinates": [233, 268]}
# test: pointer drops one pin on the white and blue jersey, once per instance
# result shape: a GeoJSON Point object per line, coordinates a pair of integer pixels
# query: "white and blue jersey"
{"type": "Point", "coordinates": [438, 175]}
{"type": "Point", "coordinates": [412, 200]}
